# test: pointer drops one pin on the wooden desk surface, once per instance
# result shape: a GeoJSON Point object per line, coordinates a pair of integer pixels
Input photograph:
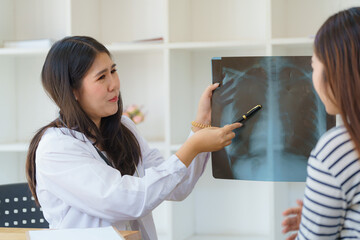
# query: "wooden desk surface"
{"type": "Point", "coordinates": [20, 234]}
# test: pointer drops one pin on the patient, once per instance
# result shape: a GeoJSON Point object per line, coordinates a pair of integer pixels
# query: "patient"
{"type": "Point", "coordinates": [331, 206]}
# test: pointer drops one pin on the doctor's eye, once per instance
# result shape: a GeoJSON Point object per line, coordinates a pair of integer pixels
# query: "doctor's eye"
{"type": "Point", "coordinates": [101, 77]}
{"type": "Point", "coordinates": [113, 71]}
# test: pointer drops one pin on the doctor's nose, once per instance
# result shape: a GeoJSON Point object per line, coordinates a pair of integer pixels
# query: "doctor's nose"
{"type": "Point", "coordinates": [114, 83]}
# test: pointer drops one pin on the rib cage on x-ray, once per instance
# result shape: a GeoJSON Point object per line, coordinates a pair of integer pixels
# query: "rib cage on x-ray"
{"type": "Point", "coordinates": [274, 144]}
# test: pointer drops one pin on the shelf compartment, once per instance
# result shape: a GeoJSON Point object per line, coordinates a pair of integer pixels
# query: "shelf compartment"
{"type": "Point", "coordinates": [231, 201]}
{"type": "Point", "coordinates": [112, 21]}
{"type": "Point", "coordinates": [292, 19]}
{"type": "Point", "coordinates": [22, 84]}
{"type": "Point", "coordinates": [142, 83]}
{"type": "Point", "coordinates": [33, 19]}
{"type": "Point", "coordinates": [39, 109]}
{"type": "Point", "coordinates": [213, 20]}
{"type": "Point", "coordinates": [12, 167]}
{"type": "Point", "coordinates": [304, 49]}
{"type": "Point", "coordinates": [8, 103]}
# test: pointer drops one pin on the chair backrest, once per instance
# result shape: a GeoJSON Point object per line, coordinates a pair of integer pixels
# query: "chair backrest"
{"type": "Point", "coordinates": [18, 208]}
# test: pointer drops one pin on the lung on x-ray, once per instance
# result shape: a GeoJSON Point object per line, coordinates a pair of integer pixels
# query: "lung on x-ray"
{"type": "Point", "coordinates": [275, 143]}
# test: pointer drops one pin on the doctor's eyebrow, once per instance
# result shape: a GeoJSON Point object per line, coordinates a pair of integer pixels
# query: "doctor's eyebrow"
{"type": "Point", "coordinates": [105, 70]}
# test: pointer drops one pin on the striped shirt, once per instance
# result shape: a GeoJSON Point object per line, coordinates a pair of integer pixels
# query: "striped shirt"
{"type": "Point", "coordinates": [332, 196]}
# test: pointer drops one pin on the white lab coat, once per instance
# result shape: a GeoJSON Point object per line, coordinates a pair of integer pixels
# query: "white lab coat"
{"type": "Point", "coordinates": [77, 189]}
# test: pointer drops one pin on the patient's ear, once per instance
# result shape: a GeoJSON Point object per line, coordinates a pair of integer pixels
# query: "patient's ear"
{"type": "Point", "coordinates": [330, 103]}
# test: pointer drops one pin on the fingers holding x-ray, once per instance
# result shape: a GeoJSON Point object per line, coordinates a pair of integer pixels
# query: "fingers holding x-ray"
{"type": "Point", "coordinates": [226, 91]}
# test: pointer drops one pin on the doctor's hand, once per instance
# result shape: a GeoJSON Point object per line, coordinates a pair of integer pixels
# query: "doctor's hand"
{"type": "Point", "coordinates": [203, 115]}
{"type": "Point", "coordinates": [206, 140]}
{"type": "Point", "coordinates": [213, 138]}
{"type": "Point", "coordinates": [292, 223]}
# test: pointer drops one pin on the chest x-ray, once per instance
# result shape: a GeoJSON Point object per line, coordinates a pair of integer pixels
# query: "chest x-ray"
{"type": "Point", "coordinates": [275, 143]}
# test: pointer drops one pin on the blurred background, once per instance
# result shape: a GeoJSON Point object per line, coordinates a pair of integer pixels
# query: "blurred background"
{"type": "Point", "coordinates": [163, 51]}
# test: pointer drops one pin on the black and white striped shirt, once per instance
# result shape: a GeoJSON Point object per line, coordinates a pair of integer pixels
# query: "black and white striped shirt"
{"type": "Point", "coordinates": [332, 196]}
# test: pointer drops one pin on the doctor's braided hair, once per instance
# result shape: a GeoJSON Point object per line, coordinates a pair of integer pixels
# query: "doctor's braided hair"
{"type": "Point", "coordinates": [65, 66]}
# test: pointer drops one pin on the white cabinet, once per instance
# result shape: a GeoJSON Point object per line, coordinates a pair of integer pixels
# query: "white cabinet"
{"type": "Point", "coordinates": [166, 78]}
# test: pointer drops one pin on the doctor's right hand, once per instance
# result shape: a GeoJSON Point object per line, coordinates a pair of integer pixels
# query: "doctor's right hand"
{"type": "Point", "coordinates": [206, 140]}
{"type": "Point", "coordinates": [213, 138]}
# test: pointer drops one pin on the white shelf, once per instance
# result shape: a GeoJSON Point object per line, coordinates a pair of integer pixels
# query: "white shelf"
{"type": "Point", "coordinates": [217, 45]}
{"type": "Point", "coordinates": [14, 147]}
{"type": "Point", "coordinates": [23, 51]}
{"type": "Point", "coordinates": [143, 47]}
{"type": "Point", "coordinates": [147, 47]}
{"type": "Point", "coordinates": [292, 41]}
{"type": "Point", "coordinates": [135, 47]}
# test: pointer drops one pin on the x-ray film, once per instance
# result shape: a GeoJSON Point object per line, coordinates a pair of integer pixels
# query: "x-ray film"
{"type": "Point", "coordinates": [275, 143]}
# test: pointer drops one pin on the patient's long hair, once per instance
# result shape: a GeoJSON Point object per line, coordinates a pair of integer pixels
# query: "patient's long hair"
{"type": "Point", "coordinates": [65, 66]}
{"type": "Point", "coordinates": [337, 45]}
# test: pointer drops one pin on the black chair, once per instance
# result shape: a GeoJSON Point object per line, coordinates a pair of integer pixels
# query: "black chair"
{"type": "Point", "coordinates": [18, 208]}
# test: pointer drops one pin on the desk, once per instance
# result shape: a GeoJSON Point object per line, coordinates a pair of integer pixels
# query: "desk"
{"type": "Point", "coordinates": [20, 234]}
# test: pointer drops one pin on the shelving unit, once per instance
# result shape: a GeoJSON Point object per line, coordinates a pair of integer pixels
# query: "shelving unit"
{"type": "Point", "coordinates": [166, 78]}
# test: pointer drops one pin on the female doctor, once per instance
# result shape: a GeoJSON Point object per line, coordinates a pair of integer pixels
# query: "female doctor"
{"type": "Point", "coordinates": [90, 167]}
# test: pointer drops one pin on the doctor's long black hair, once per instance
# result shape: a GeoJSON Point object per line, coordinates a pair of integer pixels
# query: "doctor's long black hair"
{"type": "Point", "coordinates": [65, 66]}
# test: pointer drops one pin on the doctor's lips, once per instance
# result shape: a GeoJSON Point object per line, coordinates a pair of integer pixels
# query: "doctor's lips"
{"type": "Point", "coordinates": [114, 99]}
{"type": "Point", "coordinates": [249, 113]}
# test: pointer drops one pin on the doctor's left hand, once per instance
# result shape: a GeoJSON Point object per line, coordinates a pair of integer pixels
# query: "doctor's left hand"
{"type": "Point", "coordinates": [204, 108]}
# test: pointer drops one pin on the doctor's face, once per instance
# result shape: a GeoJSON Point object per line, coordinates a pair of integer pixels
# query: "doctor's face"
{"type": "Point", "coordinates": [98, 95]}
{"type": "Point", "coordinates": [321, 87]}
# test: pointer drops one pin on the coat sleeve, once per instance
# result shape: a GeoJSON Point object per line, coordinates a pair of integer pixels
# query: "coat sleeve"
{"type": "Point", "coordinates": [67, 169]}
{"type": "Point", "coordinates": [153, 158]}
{"type": "Point", "coordinates": [194, 172]}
